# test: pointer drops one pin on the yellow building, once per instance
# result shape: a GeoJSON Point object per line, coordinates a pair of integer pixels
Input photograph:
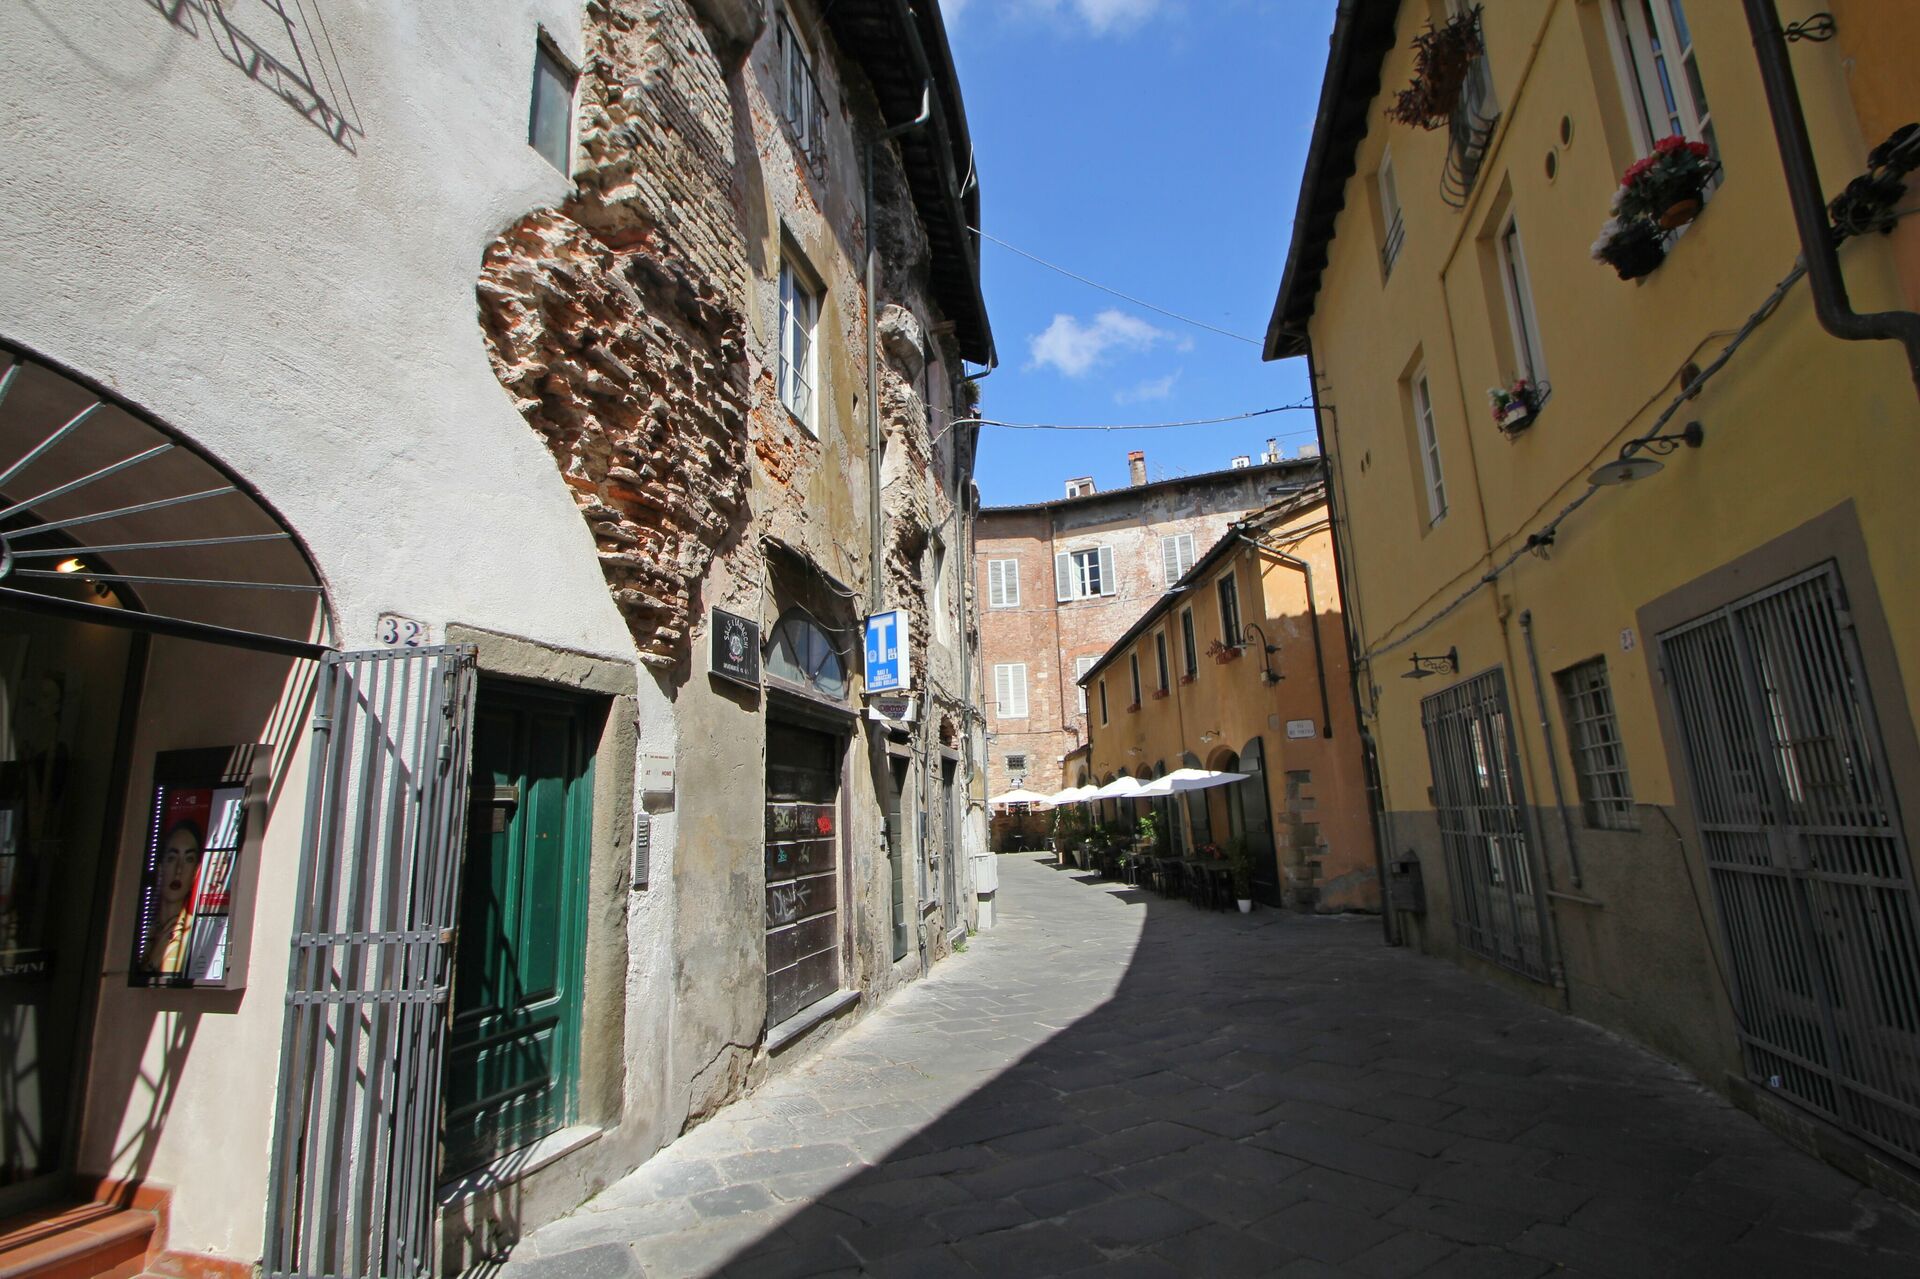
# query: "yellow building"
{"type": "Point", "coordinates": [1241, 668]}
{"type": "Point", "coordinates": [1646, 740]}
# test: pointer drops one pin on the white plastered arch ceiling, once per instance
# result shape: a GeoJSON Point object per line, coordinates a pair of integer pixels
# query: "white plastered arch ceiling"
{"type": "Point", "coordinates": [109, 516]}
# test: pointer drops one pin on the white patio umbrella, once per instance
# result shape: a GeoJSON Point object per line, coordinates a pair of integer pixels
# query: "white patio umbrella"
{"type": "Point", "coordinates": [1019, 795]}
{"type": "Point", "coordinates": [1122, 787]}
{"type": "Point", "coordinates": [1072, 795]}
{"type": "Point", "coordinates": [1186, 779]}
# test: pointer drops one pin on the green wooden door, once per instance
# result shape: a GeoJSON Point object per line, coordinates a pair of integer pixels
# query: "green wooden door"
{"type": "Point", "coordinates": [511, 1073]}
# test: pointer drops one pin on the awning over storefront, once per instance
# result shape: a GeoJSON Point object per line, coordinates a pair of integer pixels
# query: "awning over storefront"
{"type": "Point", "coordinates": [107, 516]}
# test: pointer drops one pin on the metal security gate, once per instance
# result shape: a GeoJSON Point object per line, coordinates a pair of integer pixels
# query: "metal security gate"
{"type": "Point", "coordinates": [1481, 808]}
{"type": "Point", "coordinates": [356, 1136]}
{"type": "Point", "coordinates": [1810, 870]}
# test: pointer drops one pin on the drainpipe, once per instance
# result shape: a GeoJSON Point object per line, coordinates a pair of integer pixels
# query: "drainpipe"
{"type": "Point", "coordinates": [1356, 668]}
{"type": "Point", "coordinates": [1817, 243]}
{"type": "Point", "coordinates": [876, 539]}
{"type": "Point", "coordinates": [1553, 756]}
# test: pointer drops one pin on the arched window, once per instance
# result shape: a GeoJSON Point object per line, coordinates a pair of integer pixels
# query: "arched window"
{"type": "Point", "coordinates": [803, 654]}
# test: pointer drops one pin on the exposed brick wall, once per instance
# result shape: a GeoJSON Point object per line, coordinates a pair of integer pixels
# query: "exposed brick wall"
{"type": "Point", "coordinates": [615, 320]}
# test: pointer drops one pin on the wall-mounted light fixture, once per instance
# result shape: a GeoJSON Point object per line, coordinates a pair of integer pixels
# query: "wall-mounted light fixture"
{"type": "Point", "coordinates": [1447, 663]}
{"type": "Point", "coordinates": [1267, 674]}
{"type": "Point", "coordinates": [1630, 466]}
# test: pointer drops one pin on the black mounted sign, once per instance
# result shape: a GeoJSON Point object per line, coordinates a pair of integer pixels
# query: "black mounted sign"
{"type": "Point", "coordinates": [735, 646]}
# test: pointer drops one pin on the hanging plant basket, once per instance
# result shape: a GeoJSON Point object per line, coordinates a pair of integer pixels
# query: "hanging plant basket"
{"type": "Point", "coordinates": [1442, 57]}
{"type": "Point", "coordinates": [1633, 247]}
{"type": "Point", "coordinates": [1514, 407]}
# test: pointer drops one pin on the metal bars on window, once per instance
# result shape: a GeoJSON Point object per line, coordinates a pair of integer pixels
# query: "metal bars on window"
{"type": "Point", "coordinates": [801, 105]}
{"type": "Point", "coordinates": [1481, 808]}
{"type": "Point", "coordinates": [356, 1137]}
{"type": "Point", "coordinates": [1811, 873]}
{"type": "Point", "coordinates": [1469, 131]}
{"type": "Point", "coordinates": [1599, 759]}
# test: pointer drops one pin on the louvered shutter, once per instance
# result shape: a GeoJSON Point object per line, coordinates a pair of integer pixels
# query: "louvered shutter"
{"type": "Point", "coordinates": [1002, 677]}
{"type": "Point", "coordinates": [996, 584]}
{"type": "Point", "coordinates": [1010, 583]}
{"type": "Point", "coordinates": [1169, 561]}
{"type": "Point", "coordinates": [1108, 585]}
{"type": "Point", "coordinates": [1017, 690]}
{"type": "Point", "coordinates": [1063, 576]}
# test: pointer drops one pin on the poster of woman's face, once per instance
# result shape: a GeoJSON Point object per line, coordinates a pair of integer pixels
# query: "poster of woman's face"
{"type": "Point", "coordinates": [184, 897]}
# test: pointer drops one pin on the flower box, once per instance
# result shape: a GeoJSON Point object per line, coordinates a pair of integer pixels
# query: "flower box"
{"type": "Point", "coordinates": [1632, 247]}
{"type": "Point", "coordinates": [1514, 407]}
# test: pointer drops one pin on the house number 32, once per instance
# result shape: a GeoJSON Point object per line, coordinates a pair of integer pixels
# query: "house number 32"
{"type": "Point", "coordinates": [398, 631]}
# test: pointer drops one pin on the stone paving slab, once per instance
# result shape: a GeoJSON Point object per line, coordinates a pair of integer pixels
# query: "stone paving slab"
{"type": "Point", "coordinates": [1111, 1084]}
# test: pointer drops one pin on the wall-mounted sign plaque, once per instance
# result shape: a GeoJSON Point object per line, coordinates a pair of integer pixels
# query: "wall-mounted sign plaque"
{"type": "Point", "coordinates": [734, 643]}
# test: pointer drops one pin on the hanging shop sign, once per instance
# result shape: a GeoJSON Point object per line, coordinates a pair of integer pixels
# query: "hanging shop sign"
{"type": "Point", "coordinates": [899, 709]}
{"type": "Point", "coordinates": [734, 644]}
{"type": "Point", "coordinates": [198, 865]}
{"type": "Point", "coordinates": [888, 665]}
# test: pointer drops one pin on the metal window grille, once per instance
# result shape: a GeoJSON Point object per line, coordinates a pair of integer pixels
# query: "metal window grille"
{"type": "Point", "coordinates": [1599, 758]}
{"type": "Point", "coordinates": [1480, 805]}
{"type": "Point", "coordinates": [355, 1142]}
{"type": "Point", "coordinates": [1811, 874]}
{"type": "Point", "coordinates": [1469, 131]}
{"type": "Point", "coordinates": [1016, 764]}
{"type": "Point", "coordinates": [801, 105]}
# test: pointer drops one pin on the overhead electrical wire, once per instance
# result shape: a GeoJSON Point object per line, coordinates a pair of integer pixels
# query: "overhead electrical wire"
{"type": "Point", "coordinates": [1125, 297]}
{"type": "Point", "coordinates": [1304, 406]}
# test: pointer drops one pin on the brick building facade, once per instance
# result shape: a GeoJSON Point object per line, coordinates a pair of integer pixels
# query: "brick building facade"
{"type": "Point", "coordinates": [1058, 582]}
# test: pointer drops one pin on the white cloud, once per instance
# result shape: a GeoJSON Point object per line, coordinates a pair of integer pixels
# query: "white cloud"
{"type": "Point", "coordinates": [1100, 16]}
{"type": "Point", "coordinates": [1074, 348]}
{"type": "Point", "coordinates": [1158, 388]}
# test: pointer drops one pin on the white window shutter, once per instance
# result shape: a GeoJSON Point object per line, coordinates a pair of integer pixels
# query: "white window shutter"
{"type": "Point", "coordinates": [996, 584]}
{"type": "Point", "coordinates": [1169, 561]}
{"type": "Point", "coordinates": [1010, 582]}
{"type": "Point", "coordinates": [1063, 576]}
{"type": "Point", "coordinates": [1017, 690]}
{"type": "Point", "coordinates": [1002, 682]}
{"type": "Point", "coordinates": [1108, 586]}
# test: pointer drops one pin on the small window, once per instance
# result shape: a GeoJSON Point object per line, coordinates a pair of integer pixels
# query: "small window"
{"type": "Point", "coordinates": [1229, 590]}
{"type": "Point", "coordinates": [1003, 583]}
{"type": "Point", "coordinates": [1599, 759]}
{"type": "Point", "coordinates": [1084, 574]}
{"type": "Point", "coordinates": [1081, 487]}
{"type": "Point", "coordinates": [1659, 73]}
{"type": "Point", "coordinates": [1191, 657]}
{"type": "Point", "coordinates": [799, 360]}
{"type": "Point", "coordinates": [1103, 701]}
{"type": "Point", "coordinates": [1016, 763]}
{"type": "Point", "coordinates": [1081, 665]}
{"type": "Point", "coordinates": [942, 627]}
{"type": "Point", "coordinates": [1176, 557]}
{"type": "Point", "coordinates": [1429, 442]}
{"type": "Point", "coordinates": [800, 102]}
{"type": "Point", "coordinates": [550, 119]}
{"type": "Point", "coordinates": [803, 654]}
{"type": "Point", "coordinates": [1160, 655]}
{"type": "Point", "coordinates": [1010, 690]}
{"type": "Point", "coordinates": [1529, 362]}
{"type": "Point", "coordinates": [1133, 669]}
{"type": "Point", "coordinates": [1393, 227]}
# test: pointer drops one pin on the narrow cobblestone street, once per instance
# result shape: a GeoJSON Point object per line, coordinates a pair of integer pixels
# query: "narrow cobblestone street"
{"type": "Point", "coordinates": [1112, 1084]}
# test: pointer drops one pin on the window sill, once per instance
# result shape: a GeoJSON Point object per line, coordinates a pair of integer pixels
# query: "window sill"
{"type": "Point", "coordinates": [1159, 694]}
{"type": "Point", "coordinates": [796, 1027]}
{"type": "Point", "coordinates": [1188, 679]}
{"type": "Point", "coordinates": [1134, 709]}
{"type": "Point", "coordinates": [794, 419]}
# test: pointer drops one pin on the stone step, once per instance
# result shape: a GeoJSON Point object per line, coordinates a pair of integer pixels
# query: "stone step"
{"type": "Point", "coordinates": [84, 1241]}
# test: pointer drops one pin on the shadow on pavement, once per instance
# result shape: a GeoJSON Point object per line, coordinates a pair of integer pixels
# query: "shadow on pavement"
{"type": "Point", "coordinates": [1281, 1095]}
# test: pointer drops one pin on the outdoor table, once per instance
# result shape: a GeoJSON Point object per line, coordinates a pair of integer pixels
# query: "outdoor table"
{"type": "Point", "coordinates": [1209, 879]}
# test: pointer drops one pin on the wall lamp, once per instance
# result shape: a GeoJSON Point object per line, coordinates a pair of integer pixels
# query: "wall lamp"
{"type": "Point", "coordinates": [1447, 663]}
{"type": "Point", "coordinates": [1629, 466]}
{"type": "Point", "coordinates": [1267, 673]}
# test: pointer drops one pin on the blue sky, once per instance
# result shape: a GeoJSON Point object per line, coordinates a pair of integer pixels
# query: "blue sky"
{"type": "Point", "coordinates": [1155, 146]}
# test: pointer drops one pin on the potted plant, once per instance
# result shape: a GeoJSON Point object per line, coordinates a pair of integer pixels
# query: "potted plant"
{"type": "Point", "coordinates": [1667, 186]}
{"type": "Point", "coordinates": [1147, 828]}
{"type": "Point", "coordinates": [1633, 247]}
{"type": "Point", "coordinates": [1514, 406]}
{"type": "Point", "coordinates": [1442, 56]}
{"type": "Point", "coordinates": [1240, 868]}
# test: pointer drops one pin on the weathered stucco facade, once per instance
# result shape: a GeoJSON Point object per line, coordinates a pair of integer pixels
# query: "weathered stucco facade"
{"type": "Point", "coordinates": [539, 413]}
